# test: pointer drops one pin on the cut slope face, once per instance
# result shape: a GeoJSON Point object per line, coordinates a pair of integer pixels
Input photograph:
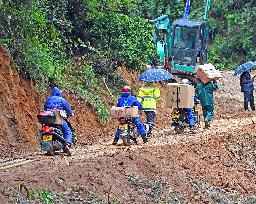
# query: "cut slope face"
{"type": "Point", "coordinates": [18, 108]}
{"type": "Point", "coordinates": [19, 105]}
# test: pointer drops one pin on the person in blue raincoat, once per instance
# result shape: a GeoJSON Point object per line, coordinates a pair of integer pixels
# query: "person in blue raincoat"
{"type": "Point", "coordinates": [204, 92]}
{"type": "Point", "coordinates": [128, 100]}
{"type": "Point", "coordinates": [246, 83]}
{"type": "Point", "coordinates": [56, 101]}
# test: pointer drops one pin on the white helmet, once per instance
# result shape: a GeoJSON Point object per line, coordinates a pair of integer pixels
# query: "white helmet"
{"type": "Point", "coordinates": [185, 81]}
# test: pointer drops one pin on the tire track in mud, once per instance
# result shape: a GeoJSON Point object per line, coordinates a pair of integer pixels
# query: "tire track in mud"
{"type": "Point", "coordinates": [163, 137]}
{"type": "Point", "coordinates": [166, 137]}
{"type": "Point", "coordinates": [10, 163]}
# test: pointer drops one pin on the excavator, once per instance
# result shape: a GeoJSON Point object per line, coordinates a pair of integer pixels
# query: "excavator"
{"type": "Point", "coordinates": [183, 44]}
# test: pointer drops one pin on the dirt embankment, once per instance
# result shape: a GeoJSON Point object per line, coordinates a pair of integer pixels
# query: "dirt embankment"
{"type": "Point", "coordinates": [19, 105]}
{"type": "Point", "coordinates": [18, 108]}
{"type": "Point", "coordinates": [213, 166]}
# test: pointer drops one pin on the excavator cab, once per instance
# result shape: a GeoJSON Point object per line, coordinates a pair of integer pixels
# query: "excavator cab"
{"type": "Point", "coordinates": [189, 44]}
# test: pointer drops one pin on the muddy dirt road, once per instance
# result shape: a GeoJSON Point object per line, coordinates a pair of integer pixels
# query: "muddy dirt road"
{"type": "Point", "coordinates": [211, 166]}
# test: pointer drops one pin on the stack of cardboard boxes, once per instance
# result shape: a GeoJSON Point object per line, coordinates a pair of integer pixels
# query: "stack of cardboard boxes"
{"type": "Point", "coordinates": [180, 95]}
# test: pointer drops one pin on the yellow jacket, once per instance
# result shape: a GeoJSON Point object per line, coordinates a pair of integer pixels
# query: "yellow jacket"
{"type": "Point", "coordinates": [148, 95]}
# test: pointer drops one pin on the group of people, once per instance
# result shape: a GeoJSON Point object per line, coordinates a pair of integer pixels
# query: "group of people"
{"type": "Point", "coordinates": [146, 101]}
{"type": "Point", "coordinates": [148, 96]}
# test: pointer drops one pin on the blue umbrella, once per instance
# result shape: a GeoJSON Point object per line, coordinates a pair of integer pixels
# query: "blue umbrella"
{"type": "Point", "coordinates": [244, 67]}
{"type": "Point", "coordinates": [155, 75]}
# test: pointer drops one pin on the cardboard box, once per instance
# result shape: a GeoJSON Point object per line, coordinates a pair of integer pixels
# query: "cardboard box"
{"type": "Point", "coordinates": [180, 95]}
{"type": "Point", "coordinates": [207, 73]}
{"type": "Point", "coordinates": [60, 115]}
{"type": "Point", "coordinates": [118, 112]}
{"type": "Point", "coordinates": [132, 112]}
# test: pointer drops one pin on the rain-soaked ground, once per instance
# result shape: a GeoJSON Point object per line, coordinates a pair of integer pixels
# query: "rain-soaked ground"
{"type": "Point", "coordinates": [211, 166]}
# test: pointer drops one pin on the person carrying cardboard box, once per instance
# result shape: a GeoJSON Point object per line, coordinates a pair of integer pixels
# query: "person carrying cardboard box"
{"type": "Point", "coordinates": [189, 111]}
{"type": "Point", "coordinates": [205, 94]}
{"type": "Point", "coordinates": [180, 97]}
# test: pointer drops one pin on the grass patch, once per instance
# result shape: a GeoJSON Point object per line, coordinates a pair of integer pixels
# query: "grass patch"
{"type": "Point", "coordinates": [84, 82]}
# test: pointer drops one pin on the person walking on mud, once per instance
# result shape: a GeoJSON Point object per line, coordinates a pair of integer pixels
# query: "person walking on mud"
{"type": "Point", "coordinates": [204, 92]}
{"type": "Point", "coordinates": [148, 96]}
{"type": "Point", "coordinates": [246, 83]}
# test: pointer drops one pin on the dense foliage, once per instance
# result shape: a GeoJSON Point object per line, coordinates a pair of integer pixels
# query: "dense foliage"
{"type": "Point", "coordinates": [74, 43]}
{"type": "Point", "coordinates": [71, 43]}
{"type": "Point", "coordinates": [233, 27]}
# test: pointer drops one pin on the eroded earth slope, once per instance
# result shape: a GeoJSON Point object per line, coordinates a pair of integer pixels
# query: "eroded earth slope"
{"type": "Point", "coordinates": [211, 166]}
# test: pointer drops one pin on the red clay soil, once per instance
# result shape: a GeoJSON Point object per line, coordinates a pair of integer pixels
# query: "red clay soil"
{"type": "Point", "coordinates": [204, 168]}
{"type": "Point", "coordinates": [212, 166]}
{"type": "Point", "coordinates": [87, 126]}
{"type": "Point", "coordinates": [19, 105]}
{"type": "Point", "coordinates": [18, 108]}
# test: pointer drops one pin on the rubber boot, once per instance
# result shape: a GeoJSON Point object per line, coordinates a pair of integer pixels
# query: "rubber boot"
{"type": "Point", "coordinates": [252, 105]}
{"type": "Point", "coordinates": [115, 141]}
{"type": "Point", "coordinates": [144, 138]}
{"type": "Point", "coordinates": [67, 150]}
{"type": "Point", "coordinates": [150, 130]}
{"type": "Point", "coordinates": [207, 125]}
{"type": "Point", "coordinates": [246, 106]}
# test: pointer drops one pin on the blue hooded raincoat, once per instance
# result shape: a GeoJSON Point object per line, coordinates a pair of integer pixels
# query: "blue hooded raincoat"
{"type": "Point", "coordinates": [56, 101]}
{"type": "Point", "coordinates": [128, 100]}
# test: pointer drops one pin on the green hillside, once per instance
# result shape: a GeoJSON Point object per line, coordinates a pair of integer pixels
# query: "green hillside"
{"type": "Point", "coordinates": [78, 45]}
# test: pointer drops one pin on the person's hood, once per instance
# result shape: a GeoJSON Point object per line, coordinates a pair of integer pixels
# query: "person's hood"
{"type": "Point", "coordinates": [56, 92]}
{"type": "Point", "coordinates": [126, 94]}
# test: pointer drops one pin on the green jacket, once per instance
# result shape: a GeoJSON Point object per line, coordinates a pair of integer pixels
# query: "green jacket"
{"type": "Point", "coordinates": [205, 92]}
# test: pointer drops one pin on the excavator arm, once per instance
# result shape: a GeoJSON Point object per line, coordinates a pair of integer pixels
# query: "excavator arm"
{"type": "Point", "coordinates": [206, 12]}
{"type": "Point", "coordinates": [186, 11]}
{"type": "Point", "coordinates": [207, 9]}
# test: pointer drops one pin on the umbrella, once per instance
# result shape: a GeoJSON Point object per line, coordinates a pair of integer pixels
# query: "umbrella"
{"type": "Point", "coordinates": [155, 75]}
{"type": "Point", "coordinates": [244, 67]}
